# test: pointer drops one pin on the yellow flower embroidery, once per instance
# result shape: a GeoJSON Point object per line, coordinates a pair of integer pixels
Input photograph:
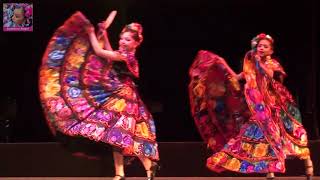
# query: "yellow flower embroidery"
{"type": "Point", "coordinates": [217, 157]}
{"type": "Point", "coordinates": [260, 150]}
{"type": "Point", "coordinates": [246, 147]}
{"type": "Point", "coordinates": [120, 105]}
{"type": "Point", "coordinates": [51, 89]}
{"type": "Point", "coordinates": [110, 103]}
{"type": "Point", "coordinates": [233, 164]}
{"type": "Point", "coordinates": [305, 153]}
{"type": "Point", "coordinates": [126, 91]}
{"type": "Point", "coordinates": [142, 130]}
{"type": "Point", "coordinates": [49, 73]}
{"type": "Point", "coordinates": [75, 60]}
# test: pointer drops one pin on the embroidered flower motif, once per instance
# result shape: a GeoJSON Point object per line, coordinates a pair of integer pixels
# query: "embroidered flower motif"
{"type": "Point", "coordinates": [219, 157]}
{"type": "Point", "coordinates": [260, 150]}
{"type": "Point", "coordinates": [63, 41]}
{"type": "Point", "coordinates": [287, 123]}
{"type": "Point", "coordinates": [64, 112]}
{"type": "Point", "coordinates": [56, 55]}
{"type": "Point", "coordinates": [72, 80]}
{"type": "Point", "coordinates": [142, 129]}
{"type": "Point", "coordinates": [55, 104]}
{"type": "Point", "coordinates": [250, 168]}
{"type": "Point", "coordinates": [244, 166]}
{"type": "Point", "coordinates": [260, 166]}
{"type": "Point", "coordinates": [127, 140]}
{"type": "Point", "coordinates": [115, 136]}
{"type": "Point", "coordinates": [74, 92]}
{"type": "Point", "coordinates": [119, 105]}
{"type": "Point", "coordinates": [233, 164]}
{"type": "Point", "coordinates": [51, 90]}
{"type": "Point", "coordinates": [97, 134]}
{"type": "Point", "coordinates": [246, 147]}
{"type": "Point", "coordinates": [148, 149]}
{"type": "Point", "coordinates": [254, 132]}
{"type": "Point", "coordinates": [259, 107]}
{"type": "Point", "coordinates": [152, 126]}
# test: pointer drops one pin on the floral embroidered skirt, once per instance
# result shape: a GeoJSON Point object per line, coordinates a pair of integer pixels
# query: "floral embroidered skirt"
{"type": "Point", "coordinates": [246, 133]}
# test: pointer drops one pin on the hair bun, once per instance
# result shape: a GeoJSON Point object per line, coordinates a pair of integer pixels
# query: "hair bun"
{"type": "Point", "coordinates": [135, 27]}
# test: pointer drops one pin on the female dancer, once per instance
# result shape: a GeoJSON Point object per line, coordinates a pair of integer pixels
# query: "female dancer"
{"type": "Point", "coordinates": [91, 94]}
{"type": "Point", "coordinates": [251, 129]}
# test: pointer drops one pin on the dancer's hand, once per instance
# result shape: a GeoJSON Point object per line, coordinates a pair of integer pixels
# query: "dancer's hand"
{"type": "Point", "coordinates": [102, 26]}
{"type": "Point", "coordinates": [257, 57]}
{"type": "Point", "coordinates": [105, 24]}
{"type": "Point", "coordinates": [240, 76]}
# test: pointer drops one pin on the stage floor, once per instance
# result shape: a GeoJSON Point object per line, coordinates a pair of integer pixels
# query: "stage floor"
{"type": "Point", "coordinates": [179, 161]}
{"type": "Point", "coordinates": [161, 178]}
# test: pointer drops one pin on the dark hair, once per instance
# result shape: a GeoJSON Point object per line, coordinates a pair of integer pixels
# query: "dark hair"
{"type": "Point", "coordinates": [271, 42]}
{"type": "Point", "coordinates": [255, 41]}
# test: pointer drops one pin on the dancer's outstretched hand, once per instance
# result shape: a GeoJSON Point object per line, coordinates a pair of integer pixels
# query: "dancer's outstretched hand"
{"type": "Point", "coordinates": [105, 24]}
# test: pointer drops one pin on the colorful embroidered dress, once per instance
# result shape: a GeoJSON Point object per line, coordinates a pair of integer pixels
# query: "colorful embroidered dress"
{"type": "Point", "coordinates": [251, 129]}
{"type": "Point", "coordinates": [87, 96]}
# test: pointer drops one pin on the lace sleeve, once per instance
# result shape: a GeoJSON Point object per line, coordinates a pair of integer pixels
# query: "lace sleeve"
{"type": "Point", "coordinates": [132, 63]}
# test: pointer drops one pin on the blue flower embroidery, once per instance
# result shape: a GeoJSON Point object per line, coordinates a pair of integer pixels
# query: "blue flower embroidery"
{"type": "Point", "coordinates": [287, 124]}
{"type": "Point", "coordinates": [244, 165]}
{"type": "Point", "coordinates": [72, 80]}
{"type": "Point", "coordinates": [63, 41]}
{"type": "Point", "coordinates": [55, 58]}
{"type": "Point", "coordinates": [148, 149]}
{"type": "Point", "coordinates": [152, 126]}
{"type": "Point", "coordinates": [259, 107]}
{"type": "Point", "coordinates": [253, 131]}
{"type": "Point", "coordinates": [260, 166]}
{"type": "Point", "coordinates": [74, 92]}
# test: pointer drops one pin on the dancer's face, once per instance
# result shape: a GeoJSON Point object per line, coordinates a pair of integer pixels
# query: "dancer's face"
{"type": "Point", "coordinates": [127, 42]}
{"type": "Point", "coordinates": [264, 48]}
{"type": "Point", "coordinates": [18, 16]}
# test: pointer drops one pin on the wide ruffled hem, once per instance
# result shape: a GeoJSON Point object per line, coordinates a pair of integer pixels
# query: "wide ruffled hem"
{"type": "Point", "coordinates": [222, 161]}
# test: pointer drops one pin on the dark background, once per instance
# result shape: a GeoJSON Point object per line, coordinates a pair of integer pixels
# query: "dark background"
{"type": "Point", "coordinates": [174, 30]}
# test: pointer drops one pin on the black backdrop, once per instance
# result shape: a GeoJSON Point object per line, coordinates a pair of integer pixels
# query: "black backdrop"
{"type": "Point", "coordinates": [174, 30]}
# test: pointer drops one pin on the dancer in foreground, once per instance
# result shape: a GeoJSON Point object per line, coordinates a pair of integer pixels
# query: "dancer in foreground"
{"type": "Point", "coordinates": [92, 95]}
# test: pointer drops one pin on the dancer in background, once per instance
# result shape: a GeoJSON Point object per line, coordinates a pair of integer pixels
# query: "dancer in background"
{"type": "Point", "coordinates": [251, 129]}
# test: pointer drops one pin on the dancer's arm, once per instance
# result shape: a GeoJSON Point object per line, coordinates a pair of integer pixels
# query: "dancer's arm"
{"type": "Point", "coordinates": [103, 28]}
{"type": "Point", "coordinates": [104, 34]}
{"type": "Point", "coordinates": [240, 76]}
{"type": "Point", "coordinates": [222, 61]}
{"type": "Point", "coordinates": [267, 70]}
{"type": "Point", "coordinates": [111, 55]}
